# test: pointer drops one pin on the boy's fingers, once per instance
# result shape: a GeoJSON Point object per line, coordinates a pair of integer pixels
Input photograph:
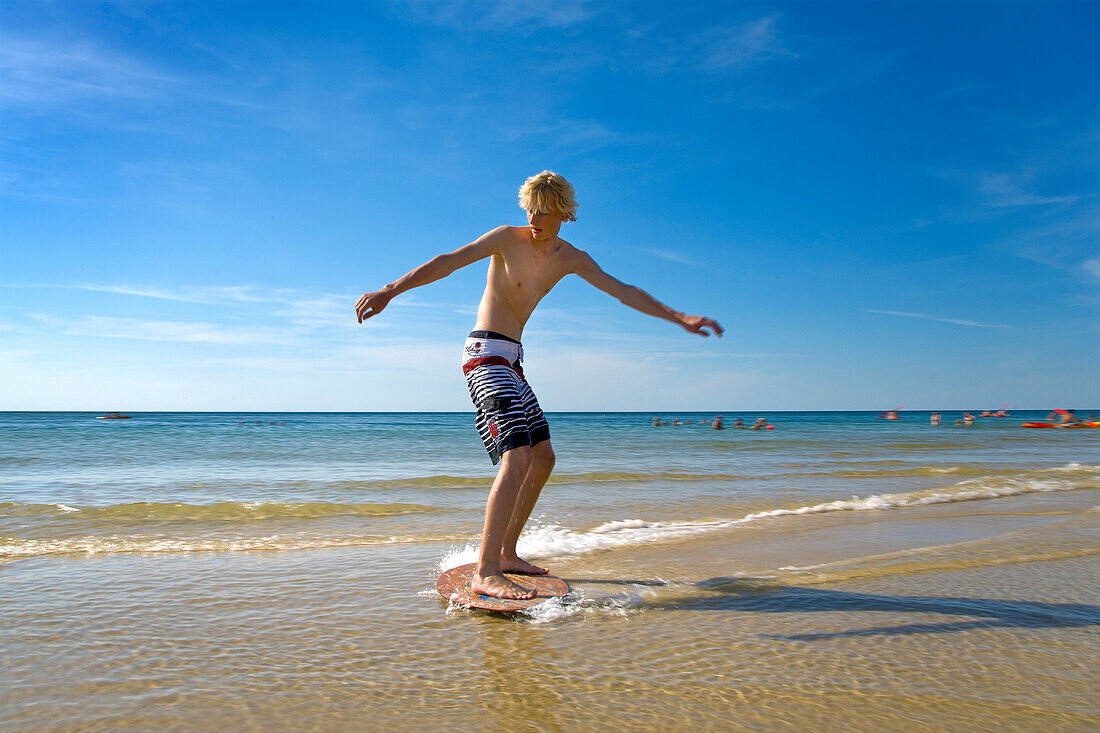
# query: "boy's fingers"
{"type": "Point", "coordinates": [714, 326]}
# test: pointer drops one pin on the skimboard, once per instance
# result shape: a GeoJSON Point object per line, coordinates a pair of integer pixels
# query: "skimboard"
{"type": "Point", "coordinates": [454, 585]}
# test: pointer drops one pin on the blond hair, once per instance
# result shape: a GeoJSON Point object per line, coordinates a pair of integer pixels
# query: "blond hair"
{"type": "Point", "coordinates": [548, 192]}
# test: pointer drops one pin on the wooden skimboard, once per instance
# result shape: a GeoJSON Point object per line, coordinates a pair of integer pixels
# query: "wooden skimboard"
{"type": "Point", "coordinates": [454, 585]}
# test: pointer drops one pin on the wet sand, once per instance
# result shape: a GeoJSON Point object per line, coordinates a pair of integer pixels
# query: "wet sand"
{"type": "Point", "coordinates": [972, 616]}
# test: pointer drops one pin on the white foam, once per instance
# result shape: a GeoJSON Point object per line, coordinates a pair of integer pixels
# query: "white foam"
{"type": "Point", "coordinates": [622, 524]}
{"type": "Point", "coordinates": [585, 602]}
{"type": "Point", "coordinates": [456, 556]}
{"type": "Point", "coordinates": [111, 545]}
{"type": "Point", "coordinates": [552, 540]}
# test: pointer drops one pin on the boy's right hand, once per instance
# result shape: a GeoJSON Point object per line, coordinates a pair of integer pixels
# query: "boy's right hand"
{"type": "Point", "coordinates": [371, 304]}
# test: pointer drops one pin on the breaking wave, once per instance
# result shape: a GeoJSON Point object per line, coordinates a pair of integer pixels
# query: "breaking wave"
{"type": "Point", "coordinates": [552, 540]}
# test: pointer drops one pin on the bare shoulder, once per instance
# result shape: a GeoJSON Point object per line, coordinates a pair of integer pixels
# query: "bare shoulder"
{"type": "Point", "coordinates": [494, 241]}
{"type": "Point", "coordinates": [506, 235]}
{"type": "Point", "coordinates": [575, 258]}
{"type": "Point", "coordinates": [503, 234]}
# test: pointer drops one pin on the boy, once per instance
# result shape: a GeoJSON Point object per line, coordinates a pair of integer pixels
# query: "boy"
{"type": "Point", "coordinates": [525, 264]}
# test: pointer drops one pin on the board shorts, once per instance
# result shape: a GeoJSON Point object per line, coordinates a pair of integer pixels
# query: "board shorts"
{"type": "Point", "coordinates": [508, 415]}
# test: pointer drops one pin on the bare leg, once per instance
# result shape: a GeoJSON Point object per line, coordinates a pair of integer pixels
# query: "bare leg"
{"type": "Point", "coordinates": [541, 466]}
{"type": "Point", "coordinates": [488, 578]}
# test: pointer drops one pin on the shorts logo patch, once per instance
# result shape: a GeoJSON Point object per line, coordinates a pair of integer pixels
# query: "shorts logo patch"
{"type": "Point", "coordinates": [493, 430]}
{"type": "Point", "coordinates": [473, 348]}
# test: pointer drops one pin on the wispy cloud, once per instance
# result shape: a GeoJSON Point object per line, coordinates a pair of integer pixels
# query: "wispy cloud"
{"type": "Point", "coordinates": [575, 136]}
{"type": "Point", "coordinates": [716, 50]}
{"type": "Point", "coordinates": [524, 15]}
{"type": "Point", "coordinates": [1063, 241]}
{"type": "Point", "coordinates": [198, 294]}
{"type": "Point", "coordinates": [40, 73]}
{"type": "Point", "coordinates": [321, 311]}
{"type": "Point", "coordinates": [647, 355]}
{"type": "Point", "coordinates": [956, 321]}
{"type": "Point", "coordinates": [1092, 267]}
{"type": "Point", "coordinates": [665, 254]}
{"type": "Point", "coordinates": [306, 365]}
{"type": "Point", "coordinates": [1008, 189]}
{"type": "Point", "coordinates": [183, 331]}
{"type": "Point", "coordinates": [732, 47]}
{"type": "Point", "coordinates": [603, 380]}
{"type": "Point", "coordinates": [302, 314]}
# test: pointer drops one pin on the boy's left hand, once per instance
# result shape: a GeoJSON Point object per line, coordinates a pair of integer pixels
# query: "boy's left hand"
{"type": "Point", "coordinates": [697, 324]}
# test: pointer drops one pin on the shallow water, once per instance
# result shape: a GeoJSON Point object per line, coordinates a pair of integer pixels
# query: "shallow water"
{"type": "Point", "coordinates": [839, 572]}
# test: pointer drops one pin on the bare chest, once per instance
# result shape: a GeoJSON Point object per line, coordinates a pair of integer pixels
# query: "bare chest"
{"type": "Point", "coordinates": [523, 276]}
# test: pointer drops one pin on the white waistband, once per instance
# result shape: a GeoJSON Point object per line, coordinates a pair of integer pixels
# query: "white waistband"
{"type": "Point", "coordinates": [477, 348]}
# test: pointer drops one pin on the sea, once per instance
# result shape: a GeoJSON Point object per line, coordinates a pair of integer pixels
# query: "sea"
{"type": "Point", "coordinates": [275, 571]}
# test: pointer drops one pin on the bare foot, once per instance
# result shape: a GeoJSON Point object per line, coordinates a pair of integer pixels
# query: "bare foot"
{"type": "Point", "coordinates": [498, 586]}
{"type": "Point", "coordinates": [517, 564]}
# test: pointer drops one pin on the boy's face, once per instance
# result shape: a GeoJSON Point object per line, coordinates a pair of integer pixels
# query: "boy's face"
{"type": "Point", "coordinates": [544, 225]}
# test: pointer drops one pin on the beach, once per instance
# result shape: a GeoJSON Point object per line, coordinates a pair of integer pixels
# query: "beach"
{"type": "Point", "coordinates": [276, 571]}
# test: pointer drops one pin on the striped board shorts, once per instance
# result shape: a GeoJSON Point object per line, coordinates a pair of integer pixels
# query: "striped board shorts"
{"type": "Point", "coordinates": [508, 415]}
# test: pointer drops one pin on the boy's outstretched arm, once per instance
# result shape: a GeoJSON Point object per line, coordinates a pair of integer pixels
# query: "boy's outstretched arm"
{"type": "Point", "coordinates": [437, 268]}
{"type": "Point", "coordinates": [639, 299]}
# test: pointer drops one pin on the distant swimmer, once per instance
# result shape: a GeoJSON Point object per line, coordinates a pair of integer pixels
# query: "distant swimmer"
{"type": "Point", "coordinates": [935, 418]}
{"type": "Point", "coordinates": [1067, 417]}
{"type": "Point", "coordinates": [657, 422]}
{"type": "Point", "coordinates": [524, 265]}
{"type": "Point", "coordinates": [676, 421]}
{"type": "Point", "coordinates": [968, 419]}
{"type": "Point", "coordinates": [717, 424]}
{"type": "Point", "coordinates": [760, 424]}
{"type": "Point", "coordinates": [739, 423]}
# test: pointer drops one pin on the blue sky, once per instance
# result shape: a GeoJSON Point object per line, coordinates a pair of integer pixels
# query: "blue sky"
{"type": "Point", "coordinates": [885, 204]}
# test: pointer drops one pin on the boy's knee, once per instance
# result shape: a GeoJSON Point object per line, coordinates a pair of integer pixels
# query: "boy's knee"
{"type": "Point", "coordinates": [544, 453]}
{"type": "Point", "coordinates": [519, 458]}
